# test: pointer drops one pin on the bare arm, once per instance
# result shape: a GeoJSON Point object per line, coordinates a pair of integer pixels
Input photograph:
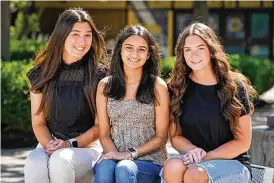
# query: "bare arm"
{"type": "Point", "coordinates": [178, 142]}
{"type": "Point", "coordinates": [236, 146]}
{"type": "Point", "coordinates": [104, 122]}
{"type": "Point", "coordinates": [85, 139]}
{"type": "Point", "coordinates": [39, 126]}
{"type": "Point", "coordinates": [161, 120]}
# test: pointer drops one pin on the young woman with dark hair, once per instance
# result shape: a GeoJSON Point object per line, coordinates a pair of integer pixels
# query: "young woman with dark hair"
{"type": "Point", "coordinates": [133, 110]}
{"type": "Point", "coordinates": [210, 113]}
{"type": "Point", "coordinates": [63, 91]}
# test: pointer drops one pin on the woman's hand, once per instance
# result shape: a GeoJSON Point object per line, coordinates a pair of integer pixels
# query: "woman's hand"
{"type": "Point", "coordinates": [208, 156]}
{"type": "Point", "coordinates": [194, 156]}
{"type": "Point", "coordinates": [54, 145]}
{"type": "Point", "coordinates": [116, 156]}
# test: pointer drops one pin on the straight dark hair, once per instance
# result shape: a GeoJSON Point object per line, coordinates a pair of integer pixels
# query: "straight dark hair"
{"type": "Point", "coordinates": [49, 60]}
{"type": "Point", "coordinates": [116, 86]}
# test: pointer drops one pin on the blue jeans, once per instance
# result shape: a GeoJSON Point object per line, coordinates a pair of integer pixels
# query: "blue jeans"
{"type": "Point", "coordinates": [222, 171]}
{"type": "Point", "coordinates": [127, 171]}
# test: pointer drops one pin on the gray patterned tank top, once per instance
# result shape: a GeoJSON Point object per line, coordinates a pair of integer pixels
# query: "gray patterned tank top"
{"type": "Point", "coordinates": [132, 125]}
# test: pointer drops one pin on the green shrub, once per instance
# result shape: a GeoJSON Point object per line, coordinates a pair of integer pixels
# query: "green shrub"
{"type": "Point", "coordinates": [166, 67]}
{"type": "Point", "coordinates": [25, 49]}
{"type": "Point", "coordinates": [260, 71]}
{"type": "Point", "coordinates": [14, 102]}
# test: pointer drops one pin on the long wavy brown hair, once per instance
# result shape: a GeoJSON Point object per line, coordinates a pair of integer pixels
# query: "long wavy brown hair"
{"type": "Point", "coordinates": [50, 59]}
{"type": "Point", "coordinates": [228, 81]}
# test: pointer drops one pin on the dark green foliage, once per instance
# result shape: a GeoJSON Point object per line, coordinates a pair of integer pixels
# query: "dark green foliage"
{"type": "Point", "coordinates": [15, 106]}
{"type": "Point", "coordinates": [25, 49]}
{"type": "Point", "coordinates": [166, 67]}
{"type": "Point", "coordinates": [260, 71]}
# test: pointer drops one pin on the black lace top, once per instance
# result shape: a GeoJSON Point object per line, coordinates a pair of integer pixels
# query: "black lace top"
{"type": "Point", "coordinates": [69, 114]}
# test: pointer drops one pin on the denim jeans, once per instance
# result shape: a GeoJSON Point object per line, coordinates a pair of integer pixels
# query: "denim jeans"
{"type": "Point", "coordinates": [222, 171]}
{"type": "Point", "coordinates": [127, 171]}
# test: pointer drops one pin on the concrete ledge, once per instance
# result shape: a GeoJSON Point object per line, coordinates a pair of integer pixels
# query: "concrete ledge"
{"type": "Point", "coordinates": [262, 146]}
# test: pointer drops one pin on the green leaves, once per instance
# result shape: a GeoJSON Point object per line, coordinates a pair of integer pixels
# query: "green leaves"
{"type": "Point", "coordinates": [260, 71]}
{"type": "Point", "coordinates": [26, 48]}
{"type": "Point", "coordinates": [15, 104]}
{"type": "Point", "coordinates": [166, 67]}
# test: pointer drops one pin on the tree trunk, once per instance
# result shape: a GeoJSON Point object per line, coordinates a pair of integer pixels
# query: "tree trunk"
{"type": "Point", "coordinates": [24, 32]}
{"type": "Point", "coordinates": [5, 33]}
{"type": "Point", "coordinates": [200, 11]}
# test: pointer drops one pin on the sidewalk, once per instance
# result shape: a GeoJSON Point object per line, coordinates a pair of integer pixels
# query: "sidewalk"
{"type": "Point", "coordinates": [12, 160]}
{"type": "Point", "coordinates": [12, 164]}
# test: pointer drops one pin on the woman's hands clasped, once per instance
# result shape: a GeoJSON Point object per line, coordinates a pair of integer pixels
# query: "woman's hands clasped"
{"type": "Point", "coordinates": [54, 145]}
{"type": "Point", "coordinates": [116, 156]}
{"type": "Point", "coordinates": [195, 155]}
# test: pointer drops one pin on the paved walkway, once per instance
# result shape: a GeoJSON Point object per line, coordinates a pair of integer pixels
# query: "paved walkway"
{"type": "Point", "coordinates": [12, 164]}
{"type": "Point", "coordinates": [12, 160]}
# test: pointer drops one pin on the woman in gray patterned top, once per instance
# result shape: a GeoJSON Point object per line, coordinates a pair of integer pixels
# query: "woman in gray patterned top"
{"type": "Point", "coordinates": [133, 112]}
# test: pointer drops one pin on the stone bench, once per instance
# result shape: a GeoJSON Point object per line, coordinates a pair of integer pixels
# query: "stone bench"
{"type": "Point", "coordinates": [88, 178]}
{"type": "Point", "coordinates": [262, 174]}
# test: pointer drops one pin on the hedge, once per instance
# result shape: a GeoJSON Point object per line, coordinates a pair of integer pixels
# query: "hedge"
{"type": "Point", "coordinates": [14, 102]}
{"type": "Point", "coordinates": [25, 49]}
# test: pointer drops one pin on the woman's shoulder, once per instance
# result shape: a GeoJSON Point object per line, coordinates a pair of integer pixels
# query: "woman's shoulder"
{"type": "Point", "coordinates": [103, 82]}
{"type": "Point", "coordinates": [239, 80]}
{"type": "Point", "coordinates": [34, 74]}
{"type": "Point", "coordinates": [160, 85]}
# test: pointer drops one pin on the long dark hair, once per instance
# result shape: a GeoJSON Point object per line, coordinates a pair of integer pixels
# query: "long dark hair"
{"type": "Point", "coordinates": [50, 59]}
{"type": "Point", "coordinates": [116, 86]}
{"type": "Point", "coordinates": [228, 81]}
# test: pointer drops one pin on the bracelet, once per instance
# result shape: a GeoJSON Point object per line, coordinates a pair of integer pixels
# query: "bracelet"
{"type": "Point", "coordinates": [70, 145]}
{"type": "Point", "coordinates": [133, 152]}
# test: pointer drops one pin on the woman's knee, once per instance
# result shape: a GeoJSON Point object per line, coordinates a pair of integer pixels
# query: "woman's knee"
{"type": "Point", "coordinates": [125, 169]}
{"type": "Point", "coordinates": [174, 168]}
{"type": "Point", "coordinates": [195, 174]}
{"type": "Point", "coordinates": [61, 159]}
{"type": "Point", "coordinates": [37, 157]}
{"type": "Point", "coordinates": [104, 171]}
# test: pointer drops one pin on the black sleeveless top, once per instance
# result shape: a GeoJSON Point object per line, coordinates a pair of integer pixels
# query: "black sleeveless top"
{"type": "Point", "coordinates": [69, 114]}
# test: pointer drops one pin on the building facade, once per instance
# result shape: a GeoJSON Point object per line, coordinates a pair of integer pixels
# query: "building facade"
{"type": "Point", "coordinates": [244, 27]}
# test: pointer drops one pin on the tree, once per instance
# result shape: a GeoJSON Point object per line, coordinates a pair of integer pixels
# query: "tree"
{"type": "Point", "coordinates": [26, 20]}
{"type": "Point", "coordinates": [5, 23]}
{"type": "Point", "coordinates": [200, 11]}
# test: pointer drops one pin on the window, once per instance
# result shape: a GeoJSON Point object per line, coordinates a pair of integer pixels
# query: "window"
{"type": "Point", "coordinates": [259, 25]}
{"type": "Point", "coordinates": [235, 26]}
{"type": "Point", "coordinates": [259, 50]}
